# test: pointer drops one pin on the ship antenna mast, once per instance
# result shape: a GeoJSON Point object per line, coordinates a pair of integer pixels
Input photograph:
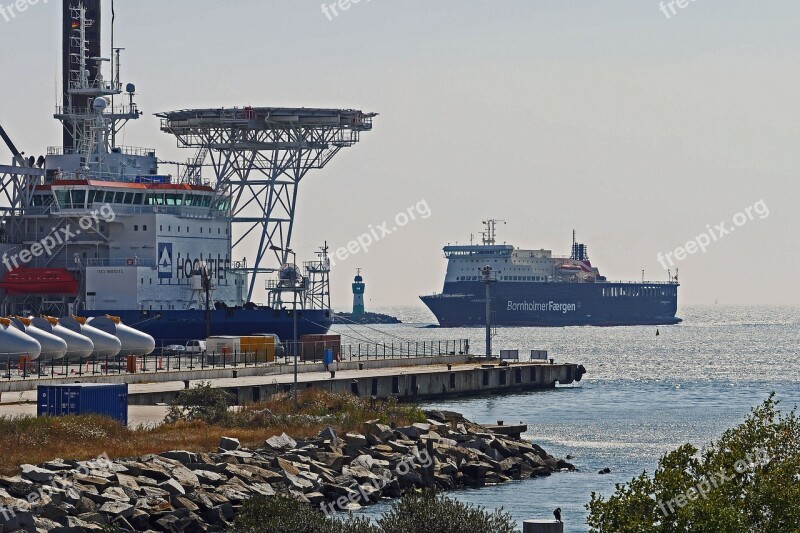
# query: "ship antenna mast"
{"type": "Point", "coordinates": [490, 235]}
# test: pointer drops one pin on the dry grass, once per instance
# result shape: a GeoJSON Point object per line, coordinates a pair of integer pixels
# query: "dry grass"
{"type": "Point", "coordinates": [36, 440]}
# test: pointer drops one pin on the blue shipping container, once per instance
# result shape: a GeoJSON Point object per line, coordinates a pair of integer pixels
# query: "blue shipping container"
{"type": "Point", "coordinates": [84, 399]}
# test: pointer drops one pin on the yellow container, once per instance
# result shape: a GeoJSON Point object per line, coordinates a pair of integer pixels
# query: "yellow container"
{"type": "Point", "coordinates": [259, 349]}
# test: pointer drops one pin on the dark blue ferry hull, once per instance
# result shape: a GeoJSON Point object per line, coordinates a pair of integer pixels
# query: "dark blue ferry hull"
{"type": "Point", "coordinates": [556, 304]}
{"type": "Point", "coordinates": [178, 327]}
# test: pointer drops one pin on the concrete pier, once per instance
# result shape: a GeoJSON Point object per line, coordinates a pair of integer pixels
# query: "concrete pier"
{"type": "Point", "coordinates": [404, 383]}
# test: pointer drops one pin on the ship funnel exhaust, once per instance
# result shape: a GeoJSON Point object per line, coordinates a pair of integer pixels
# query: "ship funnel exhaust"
{"type": "Point", "coordinates": [71, 49]}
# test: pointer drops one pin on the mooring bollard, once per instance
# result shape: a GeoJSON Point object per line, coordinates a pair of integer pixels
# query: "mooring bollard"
{"type": "Point", "coordinates": [542, 526]}
{"type": "Point", "coordinates": [185, 383]}
{"type": "Point", "coordinates": [361, 366]}
{"type": "Point", "coordinates": [333, 374]}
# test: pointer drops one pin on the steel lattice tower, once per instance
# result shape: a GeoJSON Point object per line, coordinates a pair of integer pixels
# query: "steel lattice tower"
{"type": "Point", "coordinates": [259, 156]}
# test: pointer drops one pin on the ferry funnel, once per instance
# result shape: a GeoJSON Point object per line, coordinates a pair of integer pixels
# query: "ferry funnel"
{"type": "Point", "coordinates": [134, 342]}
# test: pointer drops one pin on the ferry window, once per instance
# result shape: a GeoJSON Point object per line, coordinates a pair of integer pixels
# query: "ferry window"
{"type": "Point", "coordinates": [201, 229]}
{"type": "Point", "coordinates": [119, 197]}
{"type": "Point", "coordinates": [179, 229]}
{"type": "Point", "coordinates": [128, 198]}
{"type": "Point", "coordinates": [135, 227]}
{"type": "Point", "coordinates": [144, 228]}
{"type": "Point", "coordinates": [160, 227]}
{"type": "Point", "coordinates": [219, 231]}
{"type": "Point", "coordinates": [78, 198]}
{"type": "Point", "coordinates": [137, 198]}
{"type": "Point", "coordinates": [92, 194]}
{"type": "Point", "coordinates": [61, 197]}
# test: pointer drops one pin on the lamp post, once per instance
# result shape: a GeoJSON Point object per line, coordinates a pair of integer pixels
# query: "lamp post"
{"type": "Point", "coordinates": [294, 315]}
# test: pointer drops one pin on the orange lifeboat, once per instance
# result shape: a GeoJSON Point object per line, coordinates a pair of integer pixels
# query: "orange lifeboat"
{"type": "Point", "coordinates": [24, 281]}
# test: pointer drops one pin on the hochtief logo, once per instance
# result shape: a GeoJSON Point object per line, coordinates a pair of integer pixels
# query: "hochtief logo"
{"type": "Point", "coordinates": [165, 260]}
{"type": "Point", "coordinates": [551, 306]}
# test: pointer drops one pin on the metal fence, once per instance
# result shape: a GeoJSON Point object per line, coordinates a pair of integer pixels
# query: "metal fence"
{"type": "Point", "coordinates": [164, 359]}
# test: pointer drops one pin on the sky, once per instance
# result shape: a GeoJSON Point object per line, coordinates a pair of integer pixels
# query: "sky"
{"type": "Point", "coordinates": [642, 129]}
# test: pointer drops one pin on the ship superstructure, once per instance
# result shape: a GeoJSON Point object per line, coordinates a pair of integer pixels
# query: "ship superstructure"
{"type": "Point", "coordinates": [95, 228]}
{"type": "Point", "coordinates": [538, 288]}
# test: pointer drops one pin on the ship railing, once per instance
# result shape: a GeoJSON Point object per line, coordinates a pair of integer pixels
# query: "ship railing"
{"type": "Point", "coordinates": [130, 261]}
{"type": "Point", "coordinates": [125, 150]}
{"type": "Point", "coordinates": [180, 211]}
{"type": "Point", "coordinates": [169, 358]}
{"type": "Point", "coordinates": [88, 111]}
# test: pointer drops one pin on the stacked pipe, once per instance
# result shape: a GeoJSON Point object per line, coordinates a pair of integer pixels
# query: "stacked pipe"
{"type": "Point", "coordinates": [70, 339]}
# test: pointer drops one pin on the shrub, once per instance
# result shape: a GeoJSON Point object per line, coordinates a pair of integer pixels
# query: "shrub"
{"type": "Point", "coordinates": [284, 514]}
{"type": "Point", "coordinates": [748, 481]}
{"type": "Point", "coordinates": [202, 403]}
{"type": "Point", "coordinates": [429, 512]}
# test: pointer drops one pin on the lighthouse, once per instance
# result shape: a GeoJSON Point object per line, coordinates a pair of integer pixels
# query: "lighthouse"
{"type": "Point", "coordinates": [358, 294]}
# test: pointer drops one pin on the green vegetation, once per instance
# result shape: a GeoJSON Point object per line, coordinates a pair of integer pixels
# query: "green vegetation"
{"type": "Point", "coordinates": [425, 512]}
{"type": "Point", "coordinates": [428, 512]}
{"type": "Point", "coordinates": [201, 403]}
{"type": "Point", "coordinates": [284, 514]}
{"type": "Point", "coordinates": [747, 481]}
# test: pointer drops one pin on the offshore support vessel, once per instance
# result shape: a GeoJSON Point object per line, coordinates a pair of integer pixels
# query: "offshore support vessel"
{"type": "Point", "coordinates": [95, 228]}
{"type": "Point", "coordinates": [536, 288]}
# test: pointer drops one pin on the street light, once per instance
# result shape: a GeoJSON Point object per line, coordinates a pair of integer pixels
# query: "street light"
{"type": "Point", "coordinates": [294, 314]}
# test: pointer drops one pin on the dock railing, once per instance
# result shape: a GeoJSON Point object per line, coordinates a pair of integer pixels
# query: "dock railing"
{"type": "Point", "coordinates": [168, 358]}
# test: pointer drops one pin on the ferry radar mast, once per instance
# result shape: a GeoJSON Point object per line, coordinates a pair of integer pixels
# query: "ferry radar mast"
{"type": "Point", "coordinates": [489, 236]}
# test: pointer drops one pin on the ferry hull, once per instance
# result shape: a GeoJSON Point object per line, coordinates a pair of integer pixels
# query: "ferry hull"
{"type": "Point", "coordinates": [556, 304]}
{"type": "Point", "coordinates": [178, 327]}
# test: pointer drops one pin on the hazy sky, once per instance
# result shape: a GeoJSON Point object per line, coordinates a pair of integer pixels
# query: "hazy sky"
{"type": "Point", "coordinates": [635, 129]}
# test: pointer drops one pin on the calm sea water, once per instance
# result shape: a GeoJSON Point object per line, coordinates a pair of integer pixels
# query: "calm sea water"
{"type": "Point", "coordinates": [643, 396]}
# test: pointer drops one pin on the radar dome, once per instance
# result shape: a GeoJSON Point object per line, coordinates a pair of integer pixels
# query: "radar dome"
{"type": "Point", "coordinates": [99, 104]}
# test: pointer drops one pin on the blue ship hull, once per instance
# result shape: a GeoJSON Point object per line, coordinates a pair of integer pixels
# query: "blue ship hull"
{"type": "Point", "coordinates": [178, 327]}
{"type": "Point", "coordinates": [556, 304]}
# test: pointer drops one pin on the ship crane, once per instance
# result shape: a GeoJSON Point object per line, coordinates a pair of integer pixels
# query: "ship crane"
{"type": "Point", "coordinates": [259, 156]}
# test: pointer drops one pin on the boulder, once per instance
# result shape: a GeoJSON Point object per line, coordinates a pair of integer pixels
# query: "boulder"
{"type": "Point", "coordinates": [229, 444]}
{"type": "Point", "coordinates": [183, 457]}
{"type": "Point", "coordinates": [281, 442]}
